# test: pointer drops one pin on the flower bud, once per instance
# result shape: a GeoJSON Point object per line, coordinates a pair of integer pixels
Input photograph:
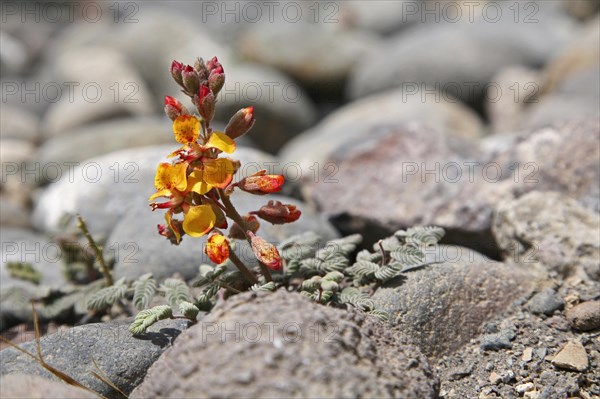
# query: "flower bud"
{"type": "Point", "coordinates": [202, 70]}
{"type": "Point", "coordinates": [260, 183]}
{"type": "Point", "coordinates": [205, 103]}
{"type": "Point", "coordinates": [277, 213]}
{"type": "Point", "coordinates": [250, 223]}
{"type": "Point", "coordinates": [176, 71]}
{"type": "Point", "coordinates": [265, 252]}
{"type": "Point", "coordinates": [217, 248]}
{"type": "Point", "coordinates": [214, 64]}
{"type": "Point", "coordinates": [191, 83]}
{"type": "Point", "coordinates": [216, 80]}
{"type": "Point", "coordinates": [240, 123]}
{"type": "Point", "coordinates": [174, 108]}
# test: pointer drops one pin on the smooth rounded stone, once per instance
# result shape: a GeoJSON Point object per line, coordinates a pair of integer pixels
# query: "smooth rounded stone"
{"type": "Point", "coordinates": [572, 357]}
{"type": "Point", "coordinates": [282, 107]}
{"type": "Point", "coordinates": [124, 359]}
{"type": "Point", "coordinates": [106, 85]}
{"type": "Point", "coordinates": [14, 55]}
{"type": "Point", "coordinates": [319, 57]}
{"type": "Point", "coordinates": [17, 122]}
{"type": "Point", "coordinates": [584, 316]}
{"type": "Point", "coordinates": [360, 118]}
{"type": "Point", "coordinates": [380, 16]}
{"type": "Point", "coordinates": [34, 387]}
{"type": "Point", "coordinates": [507, 99]}
{"type": "Point", "coordinates": [442, 306]}
{"type": "Point", "coordinates": [280, 345]}
{"type": "Point", "coordinates": [139, 249]}
{"type": "Point", "coordinates": [105, 188]}
{"type": "Point", "coordinates": [467, 52]}
{"type": "Point", "coordinates": [15, 151]}
{"type": "Point", "coordinates": [497, 341]}
{"type": "Point", "coordinates": [103, 137]}
{"type": "Point", "coordinates": [12, 215]}
{"type": "Point", "coordinates": [551, 230]}
{"type": "Point", "coordinates": [546, 302]}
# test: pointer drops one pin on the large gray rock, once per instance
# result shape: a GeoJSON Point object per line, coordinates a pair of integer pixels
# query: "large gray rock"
{"type": "Point", "coordinates": [16, 122]}
{"type": "Point", "coordinates": [442, 306]}
{"type": "Point", "coordinates": [124, 359]}
{"type": "Point", "coordinates": [139, 249]}
{"type": "Point", "coordinates": [33, 387]}
{"type": "Point", "coordinates": [551, 230]}
{"type": "Point", "coordinates": [281, 345]}
{"type": "Point", "coordinates": [359, 119]}
{"type": "Point", "coordinates": [462, 56]}
{"type": "Point", "coordinates": [105, 188]}
{"type": "Point", "coordinates": [106, 86]}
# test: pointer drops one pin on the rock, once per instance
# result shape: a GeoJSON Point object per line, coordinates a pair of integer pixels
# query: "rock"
{"type": "Point", "coordinates": [546, 302]}
{"type": "Point", "coordinates": [442, 306]}
{"type": "Point", "coordinates": [106, 86]}
{"type": "Point", "coordinates": [105, 188]}
{"type": "Point", "coordinates": [12, 215]}
{"type": "Point", "coordinates": [572, 357]}
{"type": "Point", "coordinates": [495, 378]}
{"type": "Point", "coordinates": [14, 55]}
{"type": "Point", "coordinates": [17, 122]}
{"type": "Point", "coordinates": [582, 9]}
{"type": "Point", "coordinates": [378, 16]}
{"type": "Point", "coordinates": [285, 346]}
{"type": "Point", "coordinates": [15, 151]}
{"type": "Point", "coordinates": [551, 230]}
{"type": "Point", "coordinates": [139, 249]}
{"type": "Point", "coordinates": [282, 107]}
{"type": "Point", "coordinates": [320, 58]}
{"type": "Point", "coordinates": [497, 341]}
{"type": "Point", "coordinates": [31, 387]}
{"type": "Point", "coordinates": [103, 137]}
{"type": "Point", "coordinates": [361, 118]}
{"type": "Point", "coordinates": [124, 359]}
{"type": "Point", "coordinates": [485, 46]}
{"type": "Point", "coordinates": [585, 316]}
{"type": "Point", "coordinates": [522, 388]}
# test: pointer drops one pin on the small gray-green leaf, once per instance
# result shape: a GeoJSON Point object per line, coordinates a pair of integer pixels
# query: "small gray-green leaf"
{"type": "Point", "coordinates": [408, 256]}
{"type": "Point", "coordinates": [107, 296]}
{"type": "Point", "coordinates": [147, 317]}
{"type": "Point", "coordinates": [145, 288]}
{"type": "Point", "coordinates": [176, 291]}
{"type": "Point", "coordinates": [189, 310]}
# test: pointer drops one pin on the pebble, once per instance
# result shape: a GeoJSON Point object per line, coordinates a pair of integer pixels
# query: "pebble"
{"type": "Point", "coordinates": [527, 354]}
{"type": "Point", "coordinates": [495, 378]}
{"type": "Point", "coordinates": [585, 316]}
{"type": "Point", "coordinates": [572, 357]}
{"type": "Point", "coordinates": [508, 376]}
{"type": "Point", "coordinates": [546, 302]}
{"type": "Point", "coordinates": [522, 388]}
{"type": "Point", "coordinates": [494, 342]}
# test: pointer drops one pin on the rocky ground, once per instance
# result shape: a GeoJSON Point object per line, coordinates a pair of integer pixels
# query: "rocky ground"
{"type": "Point", "coordinates": [382, 118]}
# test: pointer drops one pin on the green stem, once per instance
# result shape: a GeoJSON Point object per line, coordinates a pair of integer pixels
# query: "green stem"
{"type": "Point", "coordinates": [99, 256]}
{"type": "Point", "coordinates": [234, 215]}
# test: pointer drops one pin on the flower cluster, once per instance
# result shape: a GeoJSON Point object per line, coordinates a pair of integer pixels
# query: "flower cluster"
{"type": "Point", "coordinates": [198, 183]}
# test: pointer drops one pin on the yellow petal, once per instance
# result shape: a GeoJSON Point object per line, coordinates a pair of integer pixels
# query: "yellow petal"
{"type": "Point", "coordinates": [161, 193]}
{"type": "Point", "coordinates": [175, 231]}
{"type": "Point", "coordinates": [196, 184]}
{"type": "Point", "coordinates": [222, 142]}
{"type": "Point", "coordinates": [217, 172]}
{"type": "Point", "coordinates": [199, 220]}
{"type": "Point", "coordinates": [186, 129]}
{"type": "Point", "coordinates": [169, 176]}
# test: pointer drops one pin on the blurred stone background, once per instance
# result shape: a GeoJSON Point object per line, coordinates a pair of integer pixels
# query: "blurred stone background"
{"type": "Point", "coordinates": [382, 114]}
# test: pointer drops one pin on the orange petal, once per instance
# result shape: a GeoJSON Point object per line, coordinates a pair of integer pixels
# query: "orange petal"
{"type": "Point", "coordinates": [217, 172]}
{"type": "Point", "coordinates": [217, 248]}
{"type": "Point", "coordinates": [222, 142]}
{"type": "Point", "coordinates": [199, 220]}
{"type": "Point", "coordinates": [186, 129]}
{"type": "Point", "coordinates": [169, 176]}
{"type": "Point", "coordinates": [175, 230]}
{"type": "Point", "coordinates": [161, 193]}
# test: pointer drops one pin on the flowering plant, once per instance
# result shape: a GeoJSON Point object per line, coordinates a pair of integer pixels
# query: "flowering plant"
{"type": "Point", "coordinates": [198, 184]}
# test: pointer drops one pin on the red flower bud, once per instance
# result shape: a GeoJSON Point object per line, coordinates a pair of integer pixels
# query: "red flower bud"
{"type": "Point", "coordinates": [205, 103]}
{"type": "Point", "coordinates": [174, 108]}
{"type": "Point", "coordinates": [216, 80]}
{"type": "Point", "coordinates": [240, 123]}
{"type": "Point", "coordinates": [265, 252]}
{"type": "Point", "coordinates": [277, 213]}
{"type": "Point", "coordinates": [260, 183]}
{"type": "Point", "coordinates": [251, 223]}
{"type": "Point", "coordinates": [217, 248]}
{"type": "Point", "coordinates": [214, 64]}
{"type": "Point", "coordinates": [176, 70]}
{"type": "Point", "coordinates": [191, 82]}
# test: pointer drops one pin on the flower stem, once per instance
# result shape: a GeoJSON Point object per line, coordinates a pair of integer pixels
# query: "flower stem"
{"type": "Point", "coordinates": [99, 256]}
{"type": "Point", "coordinates": [233, 214]}
{"type": "Point", "coordinates": [242, 268]}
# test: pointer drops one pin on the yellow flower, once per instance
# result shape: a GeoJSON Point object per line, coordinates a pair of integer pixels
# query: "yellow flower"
{"type": "Point", "coordinates": [217, 248]}
{"type": "Point", "coordinates": [186, 129]}
{"type": "Point", "coordinates": [199, 220]}
{"type": "Point", "coordinates": [222, 142]}
{"type": "Point", "coordinates": [170, 181]}
{"type": "Point", "coordinates": [213, 173]}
